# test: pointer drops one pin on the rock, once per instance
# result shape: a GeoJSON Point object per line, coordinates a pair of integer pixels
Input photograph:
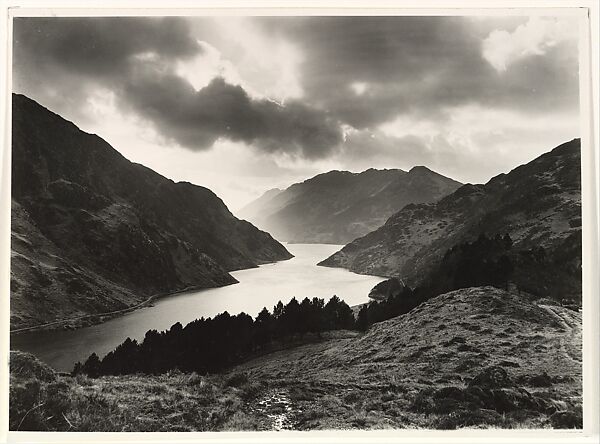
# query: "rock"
{"type": "Point", "coordinates": [492, 377]}
{"type": "Point", "coordinates": [567, 420]}
{"type": "Point", "coordinates": [507, 400]}
{"type": "Point", "coordinates": [541, 380]}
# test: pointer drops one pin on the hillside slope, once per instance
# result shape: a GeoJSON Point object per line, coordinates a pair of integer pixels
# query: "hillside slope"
{"type": "Point", "coordinates": [538, 204]}
{"type": "Point", "coordinates": [93, 232]}
{"type": "Point", "coordinates": [478, 357]}
{"type": "Point", "coordinates": [473, 357]}
{"type": "Point", "coordinates": [338, 206]}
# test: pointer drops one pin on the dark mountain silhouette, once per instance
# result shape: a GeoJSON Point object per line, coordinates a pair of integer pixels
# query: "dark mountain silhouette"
{"type": "Point", "coordinates": [92, 231]}
{"type": "Point", "coordinates": [537, 204]}
{"type": "Point", "coordinates": [339, 206]}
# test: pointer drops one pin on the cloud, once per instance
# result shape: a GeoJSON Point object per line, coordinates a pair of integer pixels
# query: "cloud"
{"type": "Point", "coordinates": [265, 64]}
{"type": "Point", "coordinates": [100, 46]}
{"type": "Point", "coordinates": [63, 61]}
{"type": "Point", "coordinates": [471, 144]}
{"type": "Point", "coordinates": [196, 119]}
{"type": "Point", "coordinates": [146, 64]}
{"type": "Point", "coordinates": [501, 48]}
{"type": "Point", "coordinates": [293, 87]}
{"type": "Point", "coordinates": [422, 66]}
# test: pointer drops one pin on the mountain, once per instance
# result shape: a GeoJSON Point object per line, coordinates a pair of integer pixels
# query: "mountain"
{"type": "Point", "coordinates": [537, 204]}
{"type": "Point", "coordinates": [252, 210]}
{"type": "Point", "coordinates": [93, 232]}
{"type": "Point", "coordinates": [339, 206]}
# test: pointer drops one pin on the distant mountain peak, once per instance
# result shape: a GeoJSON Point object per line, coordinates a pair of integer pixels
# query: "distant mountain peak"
{"type": "Point", "coordinates": [420, 169]}
{"type": "Point", "coordinates": [339, 206]}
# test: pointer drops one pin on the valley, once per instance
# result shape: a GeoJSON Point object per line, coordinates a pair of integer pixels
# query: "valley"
{"type": "Point", "coordinates": [476, 327]}
{"type": "Point", "coordinates": [306, 223]}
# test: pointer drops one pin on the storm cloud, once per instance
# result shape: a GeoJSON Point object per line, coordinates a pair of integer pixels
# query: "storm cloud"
{"type": "Point", "coordinates": [422, 65]}
{"type": "Point", "coordinates": [135, 58]}
{"type": "Point", "coordinates": [196, 119]}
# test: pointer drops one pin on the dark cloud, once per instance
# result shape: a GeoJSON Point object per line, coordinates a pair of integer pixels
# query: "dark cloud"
{"type": "Point", "coordinates": [195, 119]}
{"type": "Point", "coordinates": [133, 57]}
{"type": "Point", "coordinates": [419, 65]}
{"type": "Point", "coordinates": [100, 46]}
{"type": "Point", "coordinates": [61, 61]}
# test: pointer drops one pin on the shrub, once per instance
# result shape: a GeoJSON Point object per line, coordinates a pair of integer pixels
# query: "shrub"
{"type": "Point", "coordinates": [240, 421]}
{"type": "Point", "coordinates": [25, 402]}
{"type": "Point", "coordinates": [57, 404]}
{"type": "Point", "coordinates": [491, 377]}
{"type": "Point", "coordinates": [567, 420]}
{"type": "Point", "coordinates": [251, 390]}
{"type": "Point", "coordinates": [194, 379]}
{"type": "Point", "coordinates": [351, 398]}
{"type": "Point", "coordinates": [25, 365]}
{"type": "Point", "coordinates": [236, 380]}
{"type": "Point", "coordinates": [541, 380]}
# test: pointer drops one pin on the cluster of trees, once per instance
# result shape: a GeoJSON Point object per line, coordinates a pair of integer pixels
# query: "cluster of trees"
{"type": "Point", "coordinates": [398, 302]}
{"type": "Point", "coordinates": [554, 273]}
{"type": "Point", "coordinates": [485, 261]}
{"type": "Point", "coordinates": [212, 344]}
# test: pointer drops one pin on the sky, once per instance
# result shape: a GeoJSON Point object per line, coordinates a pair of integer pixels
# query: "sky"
{"type": "Point", "coordinates": [245, 104]}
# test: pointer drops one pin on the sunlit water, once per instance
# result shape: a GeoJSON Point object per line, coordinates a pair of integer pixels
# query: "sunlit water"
{"type": "Point", "coordinates": [257, 288]}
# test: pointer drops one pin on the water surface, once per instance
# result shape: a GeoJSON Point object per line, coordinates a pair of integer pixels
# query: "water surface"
{"type": "Point", "coordinates": [257, 288]}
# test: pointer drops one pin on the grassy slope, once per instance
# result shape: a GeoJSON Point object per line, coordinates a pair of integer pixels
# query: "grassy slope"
{"type": "Point", "coordinates": [374, 381]}
{"type": "Point", "coordinates": [424, 369]}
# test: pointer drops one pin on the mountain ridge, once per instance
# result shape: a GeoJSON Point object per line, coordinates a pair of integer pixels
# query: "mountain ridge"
{"type": "Point", "coordinates": [538, 204]}
{"type": "Point", "coordinates": [337, 206]}
{"type": "Point", "coordinates": [94, 232]}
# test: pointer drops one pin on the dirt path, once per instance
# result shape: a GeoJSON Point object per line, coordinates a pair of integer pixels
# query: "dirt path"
{"type": "Point", "coordinates": [570, 321]}
{"type": "Point", "coordinates": [277, 407]}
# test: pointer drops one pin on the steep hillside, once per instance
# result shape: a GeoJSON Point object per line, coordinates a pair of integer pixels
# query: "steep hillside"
{"type": "Point", "coordinates": [338, 206]}
{"type": "Point", "coordinates": [93, 232]}
{"type": "Point", "coordinates": [478, 357]}
{"type": "Point", "coordinates": [537, 204]}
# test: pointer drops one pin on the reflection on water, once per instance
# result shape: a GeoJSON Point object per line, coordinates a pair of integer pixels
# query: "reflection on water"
{"type": "Point", "coordinates": [257, 288]}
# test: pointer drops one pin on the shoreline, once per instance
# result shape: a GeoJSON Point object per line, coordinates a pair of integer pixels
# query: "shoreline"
{"type": "Point", "coordinates": [99, 318]}
{"type": "Point", "coordinates": [87, 320]}
{"type": "Point", "coordinates": [77, 322]}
